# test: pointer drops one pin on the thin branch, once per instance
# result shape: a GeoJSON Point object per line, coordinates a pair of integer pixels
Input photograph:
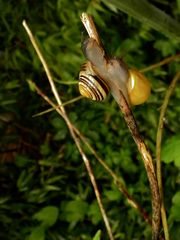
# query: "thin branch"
{"type": "Point", "coordinates": [45, 66]}
{"type": "Point", "coordinates": [90, 27]}
{"type": "Point", "coordinates": [72, 100]}
{"type": "Point", "coordinates": [158, 149]}
{"type": "Point", "coordinates": [161, 63]}
{"type": "Point", "coordinates": [62, 112]}
{"type": "Point", "coordinates": [146, 156]}
{"type": "Point", "coordinates": [84, 157]}
{"type": "Point", "coordinates": [63, 104]}
{"type": "Point", "coordinates": [148, 163]}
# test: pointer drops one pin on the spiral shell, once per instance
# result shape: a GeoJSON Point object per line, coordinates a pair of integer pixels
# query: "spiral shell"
{"type": "Point", "coordinates": [138, 86]}
{"type": "Point", "coordinates": [90, 85]}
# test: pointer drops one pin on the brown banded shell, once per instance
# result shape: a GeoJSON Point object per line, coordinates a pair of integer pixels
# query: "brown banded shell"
{"type": "Point", "coordinates": [90, 85]}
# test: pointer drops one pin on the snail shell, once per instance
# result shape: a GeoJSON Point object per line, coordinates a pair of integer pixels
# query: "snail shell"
{"type": "Point", "coordinates": [91, 85]}
{"type": "Point", "coordinates": [138, 86]}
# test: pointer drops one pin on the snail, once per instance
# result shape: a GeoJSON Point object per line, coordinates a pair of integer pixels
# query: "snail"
{"type": "Point", "coordinates": [91, 85]}
{"type": "Point", "coordinates": [100, 75]}
{"type": "Point", "coordinates": [139, 87]}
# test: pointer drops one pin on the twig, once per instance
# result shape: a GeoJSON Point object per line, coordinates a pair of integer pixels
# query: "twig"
{"type": "Point", "coordinates": [45, 66]}
{"type": "Point", "coordinates": [62, 112]}
{"type": "Point", "coordinates": [85, 159]}
{"type": "Point", "coordinates": [148, 163]}
{"type": "Point", "coordinates": [158, 149]}
{"type": "Point", "coordinates": [90, 27]}
{"type": "Point", "coordinates": [161, 63]}
{"type": "Point", "coordinates": [146, 156]}
{"type": "Point", "coordinates": [63, 104]}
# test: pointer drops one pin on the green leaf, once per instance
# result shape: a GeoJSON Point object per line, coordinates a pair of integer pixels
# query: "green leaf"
{"type": "Point", "coordinates": [37, 233]}
{"type": "Point", "coordinates": [113, 195]}
{"type": "Point", "coordinates": [74, 210]}
{"type": "Point", "coordinates": [24, 179]}
{"type": "Point", "coordinates": [171, 151]}
{"type": "Point", "coordinates": [45, 149]}
{"type": "Point", "coordinates": [47, 216]}
{"type": "Point", "coordinates": [32, 85]}
{"type": "Point", "coordinates": [165, 46]}
{"type": "Point", "coordinates": [12, 84]}
{"type": "Point", "coordinates": [176, 199]}
{"type": "Point", "coordinates": [97, 235]}
{"type": "Point", "coordinates": [61, 128]}
{"type": "Point", "coordinates": [94, 213]}
{"type": "Point", "coordinates": [58, 123]}
{"type": "Point", "coordinates": [22, 161]}
{"type": "Point", "coordinates": [178, 4]}
{"type": "Point", "coordinates": [60, 135]}
{"type": "Point", "coordinates": [175, 209]}
{"type": "Point", "coordinates": [149, 14]}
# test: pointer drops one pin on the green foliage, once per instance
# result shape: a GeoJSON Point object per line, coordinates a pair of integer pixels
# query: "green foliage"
{"type": "Point", "coordinates": [70, 213]}
{"type": "Point", "coordinates": [146, 12]}
{"type": "Point", "coordinates": [37, 233]}
{"type": "Point", "coordinates": [175, 209]}
{"type": "Point", "coordinates": [171, 150]}
{"type": "Point", "coordinates": [97, 236]}
{"type": "Point", "coordinates": [45, 191]}
{"type": "Point", "coordinates": [47, 216]}
{"type": "Point", "coordinates": [94, 213]}
{"type": "Point", "coordinates": [174, 217]}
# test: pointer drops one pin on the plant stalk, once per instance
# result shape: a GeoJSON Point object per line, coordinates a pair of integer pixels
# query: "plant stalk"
{"type": "Point", "coordinates": [158, 150]}
{"type": "Point", "coordinates": [129, 118]}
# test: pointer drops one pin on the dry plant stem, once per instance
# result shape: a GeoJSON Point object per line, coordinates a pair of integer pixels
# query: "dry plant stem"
{"type": "Point", "coordinates": [90, 27]}
{"type": "Point", "coordinates": [84, 157]}
{"type": "Point", "coordinates": [65, 117]}
{"type": "Point", "coordinates": [45, 66]}
{"type": "Point", "coordinates": [161, 63]}
{"type": "Point", "coordinates": [158, 150]}
{"type": "Point", "coordinates": [72, 100]}
{"type": "Point", "coordinates": [64, 104]}
{"type": "Point", "coordinates": [148, 163]}
{"type": "Point", "coordinates": [146, 156]}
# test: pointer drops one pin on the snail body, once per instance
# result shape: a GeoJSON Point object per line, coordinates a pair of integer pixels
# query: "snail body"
{"type": "Point", "coordinates": [100, 75]}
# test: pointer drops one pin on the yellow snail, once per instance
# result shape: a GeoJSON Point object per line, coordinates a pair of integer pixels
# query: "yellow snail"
{"type": "Point", "coordinates": [100, 75]}
{"type": "Point", "coordinates": [139, 87]}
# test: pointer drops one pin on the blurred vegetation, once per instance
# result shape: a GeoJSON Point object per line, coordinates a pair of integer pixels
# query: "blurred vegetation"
{"type": "Point", "coordinates": [45, 189]}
